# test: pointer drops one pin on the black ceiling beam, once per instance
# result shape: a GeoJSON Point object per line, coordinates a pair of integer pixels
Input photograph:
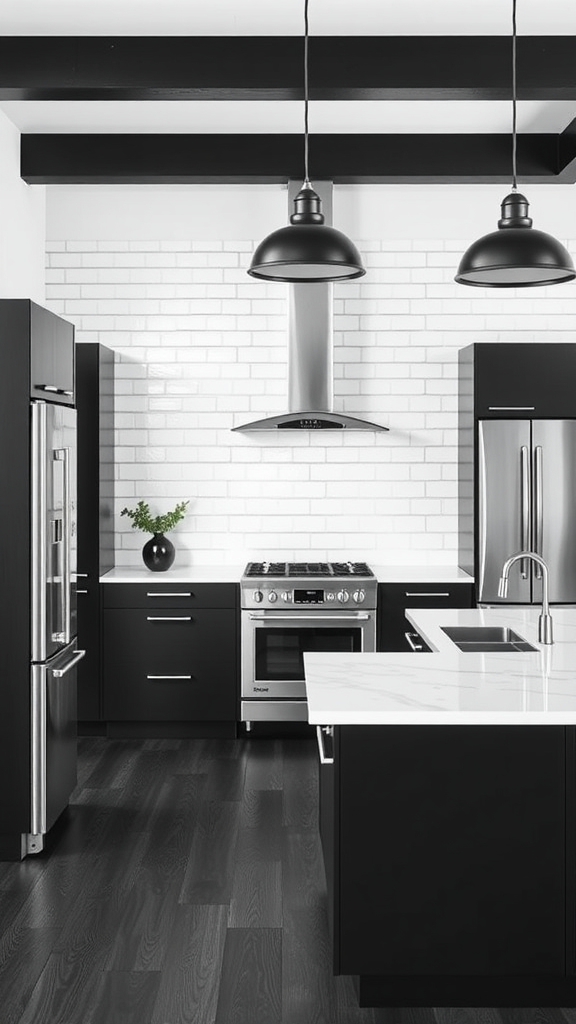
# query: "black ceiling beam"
{"type": "Point", "coordinates": [271, 68]}
{"type": "Point", "coordinates": [271, 159]}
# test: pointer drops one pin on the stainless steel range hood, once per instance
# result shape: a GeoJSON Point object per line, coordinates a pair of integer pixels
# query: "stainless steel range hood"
{"type": "Point", "coordinates": [310, 354]}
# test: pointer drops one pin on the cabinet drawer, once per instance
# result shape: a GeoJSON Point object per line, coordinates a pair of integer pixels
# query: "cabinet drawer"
{"type": "Point", "coordinates": [425, 595]}
{"type": "Point", "coordinates": [169, 665]}
{"type": "Point", "coordinates": [158, 595]}
{"type": "Point", "coordinates": [395, 598]}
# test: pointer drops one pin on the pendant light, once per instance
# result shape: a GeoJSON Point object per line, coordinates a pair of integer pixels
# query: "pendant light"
{"type": "Point", "coordinates": [307, 250]}
{"type": "Point", "coordinates": [515, 256]}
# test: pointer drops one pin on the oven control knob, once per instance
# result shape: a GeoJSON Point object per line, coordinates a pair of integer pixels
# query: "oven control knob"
{"type": "Point", "coordinates": [330, 596]}
{"type": "Point", "coordinates": [285, 595]}
{"type": "Point", "coordinates": [272, 596]}
{"type": "Point", "coordinates": [343, 596]}
{"type": "Point", "coordinates": [358, 596]}
{"type": "Point", "coordinates": [258, 596]}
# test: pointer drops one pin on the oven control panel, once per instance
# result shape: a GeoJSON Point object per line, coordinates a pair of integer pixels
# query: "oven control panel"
{"type": "Point", "coordinates": [331, 595]}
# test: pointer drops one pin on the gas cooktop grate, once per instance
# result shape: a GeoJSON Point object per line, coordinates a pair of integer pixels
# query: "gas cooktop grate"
{"type": "Point", "coordinates": [351, 569]}
{"type": "Point", "coordinates": [310, 569]}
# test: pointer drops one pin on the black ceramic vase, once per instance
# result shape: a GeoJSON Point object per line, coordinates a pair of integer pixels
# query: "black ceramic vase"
{"type": "Point", "coordinates": [158, 553]}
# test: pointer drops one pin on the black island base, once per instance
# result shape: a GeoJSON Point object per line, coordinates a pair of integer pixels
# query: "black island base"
{"type": "Point", "coordinates": [450, 855]}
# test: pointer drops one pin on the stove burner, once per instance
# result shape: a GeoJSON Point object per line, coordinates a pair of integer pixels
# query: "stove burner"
{"type": "Point", "coordinates": [265, 569]}
{"type": "Point", "coordinates": [310, 569]}
{"type": "Point", "coordinates": [351, 569]}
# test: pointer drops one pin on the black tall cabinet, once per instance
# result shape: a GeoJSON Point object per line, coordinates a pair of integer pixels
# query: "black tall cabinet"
{"type": "Point", "coordinates": [95, 402]}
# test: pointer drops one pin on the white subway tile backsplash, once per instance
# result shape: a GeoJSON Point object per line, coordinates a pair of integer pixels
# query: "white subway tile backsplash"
{"type": "Point", "coordinates": [201, 348]}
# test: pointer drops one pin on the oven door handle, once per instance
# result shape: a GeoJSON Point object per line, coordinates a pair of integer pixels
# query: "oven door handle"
{"type": "Point", "coordinates": [352, 617]}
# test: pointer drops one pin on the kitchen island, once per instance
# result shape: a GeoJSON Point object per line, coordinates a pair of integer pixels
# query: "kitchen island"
{"type": "Point", "coordinates": [448, 815]}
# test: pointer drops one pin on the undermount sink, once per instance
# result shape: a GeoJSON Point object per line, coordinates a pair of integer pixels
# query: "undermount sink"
{"type": "Point", "coordinates": [478, 639]}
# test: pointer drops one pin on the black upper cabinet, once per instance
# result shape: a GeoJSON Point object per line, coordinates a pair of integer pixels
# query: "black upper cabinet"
{"type": "Point", "coordinates": [95, 403]}
{"type": "Point", "coordinates": [507, 381]}
{"type": "Point", "coordinates": [51, 356]}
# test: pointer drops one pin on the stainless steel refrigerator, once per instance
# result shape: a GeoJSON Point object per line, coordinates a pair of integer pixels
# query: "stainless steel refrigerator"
{"type": "Point", "coordinates": [527, 501]}
{"type": "Point", "coordinates": [54, 652]}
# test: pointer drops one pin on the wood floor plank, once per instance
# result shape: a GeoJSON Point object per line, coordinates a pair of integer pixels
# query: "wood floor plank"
{"type": "Point", "coordinates": [261, 809]}
{"type": "Point", "coordinates": [123, 997]}
{"type": "Point", "coordinates": [22, 961]}
{"type": "Point", "coordinates": [225, 778]}
{"type": "Point", "coordinates": [256, 897]}
{"type": "Point", "coordinates": [172, 829]}
{"type": "Point", "coordinates": [188, 992]}
{"type": "Point", "coordinates": [210, 868]}
{"type": "Point", "coordinates": [300, 805]}
{"type": "Point", "coordinates": [251, 981]}
{"type": "Point", "coordinates": [265, 768]}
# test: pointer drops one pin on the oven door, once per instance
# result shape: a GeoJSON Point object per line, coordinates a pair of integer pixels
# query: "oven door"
{"type": "Point", "coordinates": [274, 644]}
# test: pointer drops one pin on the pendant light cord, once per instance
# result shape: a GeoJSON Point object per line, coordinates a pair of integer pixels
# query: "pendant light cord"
{"type": "Point", "coordinates": [306, 178]}
{"type": "Point", "coordinates": [514, 182]}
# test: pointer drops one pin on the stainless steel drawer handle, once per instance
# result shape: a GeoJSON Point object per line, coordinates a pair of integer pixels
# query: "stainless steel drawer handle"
{"type": "Point", "coordinates": [511, 408]}
{"type": "Point", "coordinates": [59, 672]}
{"type": "Point", "coordinates": [159, 594]}
{"type": "Point", "coordinates": [83, 575]}
{"type": "Point", "coordinates": [81, 591]}
{"type": "Point", "coordinates": [168, 677]}
{"type": "Point", "coordinates": [430, 593]}
{"type": "Point", "coordinates": [415, 647]}
{"type": "Point", "coordinates": [352, 617]}
{"type": "Point", "coordinates": [169, 618]}
{"type": "Point", "coordinates": [53, 389]}
{"type": "Point", "coordinates": [320, 730]}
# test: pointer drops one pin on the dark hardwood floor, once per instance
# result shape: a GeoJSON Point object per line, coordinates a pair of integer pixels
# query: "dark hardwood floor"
{"type": "Point", "coordinates": [185, 886]}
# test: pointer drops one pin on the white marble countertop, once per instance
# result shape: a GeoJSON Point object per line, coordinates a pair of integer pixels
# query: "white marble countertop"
{"type": "Point", "coordinates": [446, 686]}
{"type": "Point", "coordinates": [188, 574]}
{"type": "Point", "coordinates": [232, 574]}
{"type": "Point", "coordinates": [420, 574]}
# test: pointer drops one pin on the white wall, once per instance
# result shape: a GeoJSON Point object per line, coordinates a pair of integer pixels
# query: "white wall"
{"type": "Point", "coordinates": [159, 276]}
{"type": "Point", "coordinates": [22, 224]}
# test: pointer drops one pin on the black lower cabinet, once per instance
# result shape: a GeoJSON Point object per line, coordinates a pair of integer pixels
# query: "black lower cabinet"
{"type": "Point", "coordinates": [170, 666]}
{"type": "Point", "coordinates": [449, 863]}
{"type": "Point", "coordinates": [395, 598]}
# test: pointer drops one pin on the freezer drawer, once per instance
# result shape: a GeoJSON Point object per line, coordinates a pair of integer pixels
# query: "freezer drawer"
{"type": "Point", "coordinates": [53, 740]}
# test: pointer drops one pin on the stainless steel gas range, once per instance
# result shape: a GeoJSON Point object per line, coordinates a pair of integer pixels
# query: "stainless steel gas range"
{"type": "Point", "coordinates": [289, 608]}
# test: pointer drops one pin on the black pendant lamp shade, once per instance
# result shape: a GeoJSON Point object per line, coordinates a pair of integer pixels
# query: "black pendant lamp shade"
{"type": "Point", "coordinates": [517, 255]}
{"type": "Point", "coordinates": [306, 249]}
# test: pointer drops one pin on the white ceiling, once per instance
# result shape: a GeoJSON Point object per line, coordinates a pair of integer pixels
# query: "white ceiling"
{"type": "Point", "coordinates": [284, 17]}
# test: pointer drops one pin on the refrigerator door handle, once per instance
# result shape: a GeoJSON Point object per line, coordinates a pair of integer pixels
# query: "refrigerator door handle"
{"type": "Point", "coordinates": [63, 454]}
{"type": "Point", "coordinates": [538, 509]}
{"type": "Point", "coordinates": [59, 672]}
{"type": "Point", "coordinates": [525, 508]}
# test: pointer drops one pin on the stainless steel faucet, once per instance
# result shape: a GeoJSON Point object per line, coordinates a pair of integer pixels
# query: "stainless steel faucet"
{"type": "Point", "coordinates": [545, 619]}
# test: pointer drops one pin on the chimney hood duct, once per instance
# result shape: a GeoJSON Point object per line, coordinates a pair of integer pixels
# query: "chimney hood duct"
{"type": "Point", "coordinates": [310, 354]}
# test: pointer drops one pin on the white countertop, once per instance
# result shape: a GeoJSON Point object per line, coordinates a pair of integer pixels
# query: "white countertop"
{"type": "Point", "coordinates": [420, 574]}
{"type": "Point", "coordinates": [448, 687]}
{"type": "Point", "coordinates": [232, 574]}
{"type": "Point", "coordinates": [188, 574]}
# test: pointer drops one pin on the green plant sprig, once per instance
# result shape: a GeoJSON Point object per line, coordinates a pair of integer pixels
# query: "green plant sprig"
{"type": "Point", "coordinates": [143, 520]}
